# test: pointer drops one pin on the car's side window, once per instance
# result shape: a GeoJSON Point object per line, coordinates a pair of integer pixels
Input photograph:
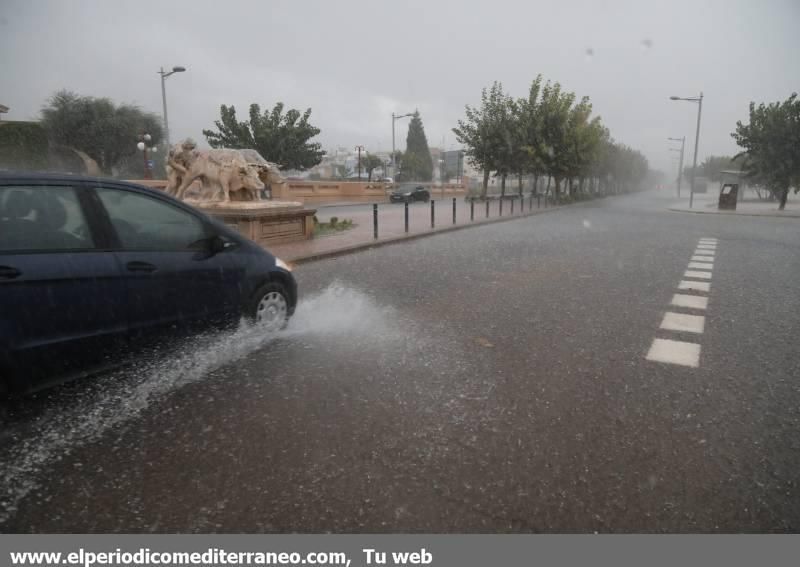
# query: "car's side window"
{"type": "Point", "coordinates": [145, 223]}
{"type": "Point", "coordinates": [42, 218]}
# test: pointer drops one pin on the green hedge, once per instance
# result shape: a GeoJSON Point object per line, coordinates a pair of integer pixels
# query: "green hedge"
{"type": "Point", "coordinates": [23, 145]}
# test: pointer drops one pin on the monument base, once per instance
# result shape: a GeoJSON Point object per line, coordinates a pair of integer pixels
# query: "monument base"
{"type": "Point", "coordinates": [263, 222]}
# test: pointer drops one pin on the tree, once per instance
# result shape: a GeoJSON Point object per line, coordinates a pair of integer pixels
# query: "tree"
{"type": "Point", "coordinates": [483, 132]}
{"type": "Point", "coordinates": [771, 143]}
{"type": "Point", "coordinates": [106, 132]}
{"type": "Point", "coordinates": [23, 145]}
{"type": "Point", "coordinates": [278, 137]}
{"type": "Point", "coordinates": [369, 162]}
{"type": "Point", "coordinates": [343, 171]}
{"type": "Point", "coordinates": [530, 146]}
{"type": "Point", "coordinates": [417, 161]}
{"type": "Point", "coordinates": [556, 114]}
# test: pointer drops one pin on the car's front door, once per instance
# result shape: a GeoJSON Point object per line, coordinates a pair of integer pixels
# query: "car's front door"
{"type": "Point", "coordinates": [62, 300]}
{"type": "Point", "coordinates": [173, 279]}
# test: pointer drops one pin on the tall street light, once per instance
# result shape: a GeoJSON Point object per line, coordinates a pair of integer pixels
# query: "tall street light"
{"type": "Point", "coordinates": [164, 75]}
{"type": "Point", "coordinates": [680, 167]}
{"type": "Point", "coordinates": [699, 101]}
{"type": "Point", "coordinates": [394, 118]}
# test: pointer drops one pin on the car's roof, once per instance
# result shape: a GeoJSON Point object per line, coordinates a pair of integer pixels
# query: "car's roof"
{"type": "Point", "coordinates": [50, 176]}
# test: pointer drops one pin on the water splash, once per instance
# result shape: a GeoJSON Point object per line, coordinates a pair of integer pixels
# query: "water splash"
{"type": "Point", "coordinates": [337, 311]}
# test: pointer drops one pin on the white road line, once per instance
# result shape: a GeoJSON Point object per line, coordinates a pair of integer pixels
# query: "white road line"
{"type": "Point", "coordinates": [708, 253]}
{"type": "Point", "coordinates": [706, 246]}
{"type": "Point", "coordinates": [701, 259]}
{"type": "Point", "coordinates": [691, 301]}
{"type": "Point", "coordinates": [709, 240]}
{"type": "Point", "coordinates": [682, 322]}
{"type": "Point", "coordinates": [695, 286]}
{"type": "Point", "coordinates": [701, 265]}
{"type": "Point", "coordinates": [675, 352]}
{"type": "Point", "coordinates": [698, 275]}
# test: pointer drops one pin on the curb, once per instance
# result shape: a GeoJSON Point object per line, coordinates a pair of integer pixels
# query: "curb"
{"type": "Point", "coordinates": [405, 238]}
{"type": "Point", "coordinates": [350, 204]}
{"type": "Point", "coordinates": [735, 214]}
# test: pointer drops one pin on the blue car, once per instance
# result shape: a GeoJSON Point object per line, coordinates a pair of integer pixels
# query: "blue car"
{"type": "Point", "coordinates": [91, 269]}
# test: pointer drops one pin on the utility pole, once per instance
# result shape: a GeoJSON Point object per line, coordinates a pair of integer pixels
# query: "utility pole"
{"type": "Point", "coordinates": [359, 149]}
{"type": "Point", "coordinates": [680, 167]}
{"type": "Point", "coordinates": [699, 101]}
{"type": "Point", "coordinates": [396, 117]}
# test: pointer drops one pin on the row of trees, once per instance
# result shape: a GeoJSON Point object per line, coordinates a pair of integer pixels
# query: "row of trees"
{"type": "Point", "coordinates": [548, 133]}
{"type": "Point", "coordinates": [104, 134]}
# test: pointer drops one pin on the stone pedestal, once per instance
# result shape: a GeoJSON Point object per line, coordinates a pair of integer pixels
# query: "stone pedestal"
{"type": "Point", "coordinates": [264, 222]}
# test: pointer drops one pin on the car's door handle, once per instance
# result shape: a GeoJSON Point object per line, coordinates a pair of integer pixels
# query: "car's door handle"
{"type": "Point", "coordinates": [140, 267]}
{"type": "Point", "coordinates": [9, 273]}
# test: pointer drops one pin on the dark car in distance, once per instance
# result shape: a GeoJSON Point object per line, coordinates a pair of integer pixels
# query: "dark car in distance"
{"type": "Point", "coordinates": [419, 193]}
{"type": "Point", "coordinates": [91, 269]}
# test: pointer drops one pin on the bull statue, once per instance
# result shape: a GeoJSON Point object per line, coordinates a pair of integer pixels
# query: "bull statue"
{"type": "Point", "coordinates": [221, 171]}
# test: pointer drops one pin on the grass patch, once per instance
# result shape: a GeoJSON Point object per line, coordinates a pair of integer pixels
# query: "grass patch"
{"type": "Point", "coordinates": [333, 226]}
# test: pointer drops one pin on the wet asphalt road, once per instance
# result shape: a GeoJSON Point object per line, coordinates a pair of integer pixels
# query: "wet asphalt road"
{"type": "Point", "coordinates": [487, 380]}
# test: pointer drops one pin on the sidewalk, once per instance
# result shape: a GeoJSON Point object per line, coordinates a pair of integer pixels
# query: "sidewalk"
{"type": "Point", "coordinates": [391, 227]}
{"type": "Point", "coordinates": [706, 203]}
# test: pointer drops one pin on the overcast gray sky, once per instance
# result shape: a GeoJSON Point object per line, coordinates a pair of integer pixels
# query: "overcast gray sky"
{"type": "Point", "coordinates": [354, 63]}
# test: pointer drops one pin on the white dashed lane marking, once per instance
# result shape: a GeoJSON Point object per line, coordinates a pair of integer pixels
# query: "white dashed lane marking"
{"type": "Point", "coordinates": [675, 352]}
{"type": "Point", "coordinates": [683, 323]}
{"type": "Point", "coordinates": [698, 275]}
{"type": "Point", "coordinates": [685, 353]}
{"type": "Point", "coordinates": [695, 286]}
{"type": "Point", "coordinates": [690, 301]}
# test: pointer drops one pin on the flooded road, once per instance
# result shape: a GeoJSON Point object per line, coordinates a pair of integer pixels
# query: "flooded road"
{"type": "Point", "coordinates": [489, 380]}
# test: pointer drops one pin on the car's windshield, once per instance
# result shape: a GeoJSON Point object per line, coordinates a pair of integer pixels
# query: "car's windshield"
{"type": "Point", "coordinates": [501, 267]}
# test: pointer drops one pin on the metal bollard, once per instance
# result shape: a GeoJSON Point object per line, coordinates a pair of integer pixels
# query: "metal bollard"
{"type": "Point", "coordinates": [501, 206]}
{"type": "Point", "coordinates": [406, 213]}
{"type": "Point", "coordinates": [454, 210]}
{"type": "Point", "coordinates": [375, 221]}
{"type": "Point", "coordinates": [538, 201]}
{"type": "Point", "coordinates": [487, 208]}
{"type": "Point", "coordinates": [521, 204]}
{"type": "Point", "coordinates": [433, 214]}
{"type": "Point", "coordinates": [512, 207]}
{"type": "Point", "coordinates": [545, 201]}
{"type": "Point", "coordinates": [471, 210]}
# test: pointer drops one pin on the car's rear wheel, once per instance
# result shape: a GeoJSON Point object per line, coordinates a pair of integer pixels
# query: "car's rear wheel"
{"type": "Point", "coordinates": [269, 309]}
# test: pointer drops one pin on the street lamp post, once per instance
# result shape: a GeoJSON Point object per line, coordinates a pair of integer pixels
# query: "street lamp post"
{"type": "Point", "coordinates": [699, 101]}
{"type": "Point", "coordinates": [144, 140]}
{"type": "Point", "coordinates": [359, 149]}
{"type": "Point", "coordinates": [394, 118]}
{"type": "Point", "coordinates": [680, 167]}
{"type": "Point", "coordinates": [164, 75]}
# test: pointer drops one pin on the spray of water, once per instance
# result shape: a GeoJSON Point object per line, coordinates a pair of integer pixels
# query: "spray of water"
{"type": "Point", "coordinates": [336, 311]}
